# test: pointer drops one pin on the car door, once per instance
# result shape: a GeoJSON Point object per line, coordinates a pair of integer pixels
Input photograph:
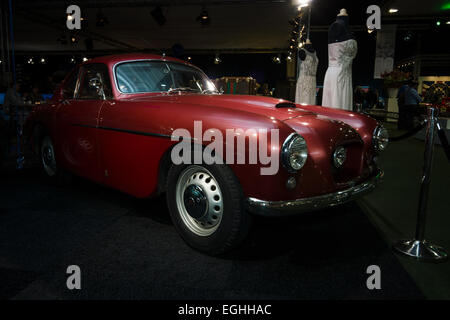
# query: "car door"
{"type": "Point", "coordinates": [78, 123]}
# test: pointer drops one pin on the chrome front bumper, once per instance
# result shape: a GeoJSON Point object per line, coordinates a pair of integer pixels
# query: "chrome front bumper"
{"type": "Point", "coordinates": [291, 207]}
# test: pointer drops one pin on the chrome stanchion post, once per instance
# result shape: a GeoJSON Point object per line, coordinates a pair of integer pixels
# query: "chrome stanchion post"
{"type": "Point", "coordinates": [419, 248]}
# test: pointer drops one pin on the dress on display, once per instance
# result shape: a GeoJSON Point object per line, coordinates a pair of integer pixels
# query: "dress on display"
{"type": "Point", "coordinates": [337, 86]}
{"type": "Point", "coordinates": [306, 83]}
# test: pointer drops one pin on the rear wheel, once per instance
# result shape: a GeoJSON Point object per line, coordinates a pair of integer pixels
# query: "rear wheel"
{"type": "Point", "coordinates": [206, 207]}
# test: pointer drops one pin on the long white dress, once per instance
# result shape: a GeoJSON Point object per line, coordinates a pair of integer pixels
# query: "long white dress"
{"type": "Point", "coordinates": [337, 86]}
{"type": "Point", "coordinates": [305, 91]}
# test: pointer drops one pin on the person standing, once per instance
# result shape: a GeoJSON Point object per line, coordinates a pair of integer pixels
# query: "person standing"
{"type": "Point", "coordinates": [412, 100]}
{"type": "Point", "coordinates": [10, 106]}
{"type": "Point", "coordinates": [401, 124]}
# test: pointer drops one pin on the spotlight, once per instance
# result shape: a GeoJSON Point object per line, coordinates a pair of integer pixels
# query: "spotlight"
{"type": "Point", "coordinates": [393, 10]}
{"type": "Point", "coordinates": [158, 15]}
{"type": "Point", "coordinates": [408, 36]}
{"type": "Point", "coordinates": [72, 60]}
{"type": "Point", "coordinates": [89, 43]}
{"type": "Point", "coordinates": [189, 58]}
{"type": "Point", "coordinates": [85, 59]}
{"type": "Point", "coordinates": [217, 59]}
{"type": "Point", "coordinates": [30, 61]}
{"type": "Point", "coordinates": [62, 39]}
{"type": "Point", "coordinates": [277, 59]}
{"type": "Point", "coordinates": [448, 22]}
{"type": "Point", "coordinates": [204, 18]}
{"type": "Point", "coordinates": [438, 23]}
{"type": "Point", "coordinates": [301, 4]}
{"type": "Point", "coordinates": [101, 19]}
{"type": "Point", "coordinates": [42, 61]}
{"type": "Point", "coordinates": [73, 40]}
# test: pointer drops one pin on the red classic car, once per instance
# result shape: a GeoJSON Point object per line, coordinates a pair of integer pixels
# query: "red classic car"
{"type": "Point", "coordinates": [118, 119]}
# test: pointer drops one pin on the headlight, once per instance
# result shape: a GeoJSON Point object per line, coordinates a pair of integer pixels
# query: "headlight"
{"type": "Point", "coordinates": [294, 152]}
{"type": "Point", "coordinates": [380, 138]}
{"type": "Point", "coordinates": [339, 156]}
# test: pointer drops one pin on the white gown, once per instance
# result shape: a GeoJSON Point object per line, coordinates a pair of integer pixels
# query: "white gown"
{"type": "Point", "coordinates": [337, 86]}
{"type": "Point", "coordinates": [305, 91]}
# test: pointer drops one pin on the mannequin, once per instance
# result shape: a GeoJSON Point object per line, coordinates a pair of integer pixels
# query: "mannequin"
{"type": "Point", "coordinates": [342, 49]}
{"type": "Point", "coordinates": [306, 83]}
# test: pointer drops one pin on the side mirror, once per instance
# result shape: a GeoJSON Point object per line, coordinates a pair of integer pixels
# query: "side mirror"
{"type": "Point", "coordinates": [96, 84]}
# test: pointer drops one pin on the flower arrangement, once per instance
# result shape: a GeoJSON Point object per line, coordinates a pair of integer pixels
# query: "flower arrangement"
{"type": "Point", "coordinates": [395, 78]}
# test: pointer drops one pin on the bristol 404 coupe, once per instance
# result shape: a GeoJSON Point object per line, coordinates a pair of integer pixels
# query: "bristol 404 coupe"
{"type": "Point", "coordinates": [147, 125]}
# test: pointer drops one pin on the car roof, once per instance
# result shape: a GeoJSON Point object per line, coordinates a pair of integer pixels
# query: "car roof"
{"type": "Point", "coordinates": [113, 59]}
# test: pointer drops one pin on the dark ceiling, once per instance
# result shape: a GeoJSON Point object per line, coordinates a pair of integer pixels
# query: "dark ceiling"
{"type": "Point", "coordinates": [235, 25]}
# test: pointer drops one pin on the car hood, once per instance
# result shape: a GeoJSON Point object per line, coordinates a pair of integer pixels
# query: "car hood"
{"type": "Point", "coordinates": [279, 109]}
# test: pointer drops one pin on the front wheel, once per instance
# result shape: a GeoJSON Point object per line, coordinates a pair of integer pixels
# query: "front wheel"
{"type": "Point", "coordinates": [206, 207]}
{"type": "Point", "coordinates": [48, 159]}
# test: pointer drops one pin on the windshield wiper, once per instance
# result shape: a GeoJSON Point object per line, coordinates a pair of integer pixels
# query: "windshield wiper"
{"type": "Point", "coordinates": [183, 89]}
{"type": "Point", "coordinates": [206, 91]}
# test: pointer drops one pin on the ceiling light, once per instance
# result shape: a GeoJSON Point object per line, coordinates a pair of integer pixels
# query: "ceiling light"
{"type": "Point", "coordinates": [158, 15]}
{"type": "Point", "coordinates": [302, 3]}
{"type": "Point", "coordinates": [62, 39]}
{"type": "Point", "coordinates": [217, 59]}
{"type": "Point", "coordinates": [438, 23]}
{"type": "Point", "coordinates": [393, 10]}
{"type": "Point", "coordinates": [43, 60]}
{"type": "Point", "coordinates": [277, 59]}
{"type": "Point", "coordinates": [85, 59]}
{"type": "Point", "coordinates": [101, 19]}
{"type": "Point", "coordinates": [448, 22]}
{"type": "Point", "coordinates": [204, 18]}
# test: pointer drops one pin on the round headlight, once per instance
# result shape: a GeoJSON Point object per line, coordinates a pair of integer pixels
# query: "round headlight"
{"type": "Point", "coordinates": [380, 138]}
{"type": "Point", "coordinates": [294, 152]}
{"type": "Point", "coordinates": [339, 156]}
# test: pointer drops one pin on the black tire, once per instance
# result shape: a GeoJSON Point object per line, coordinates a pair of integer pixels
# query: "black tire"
{"type": "Point", "coordinates": [53, 172]}
{"type": "Point", "coordinates": [235, 221]}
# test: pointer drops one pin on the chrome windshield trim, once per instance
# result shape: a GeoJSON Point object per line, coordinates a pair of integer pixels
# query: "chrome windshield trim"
{"type": "Point", "coordinates": [292, 207]}
{"type": "Point", "coordinates": [150, 60]}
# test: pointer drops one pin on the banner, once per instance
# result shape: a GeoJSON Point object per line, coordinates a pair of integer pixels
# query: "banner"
{"type": "Point", "coordinates": [384, 56]}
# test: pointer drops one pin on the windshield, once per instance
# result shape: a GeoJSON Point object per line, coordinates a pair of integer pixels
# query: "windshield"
{"type": "Point", "coordinates": [161, 76]}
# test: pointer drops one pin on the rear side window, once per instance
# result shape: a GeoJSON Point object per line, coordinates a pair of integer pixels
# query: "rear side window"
{"type": "Point", "coordinates": [98, 72]}
{"type": "Point", "coordinates": [70, 84]}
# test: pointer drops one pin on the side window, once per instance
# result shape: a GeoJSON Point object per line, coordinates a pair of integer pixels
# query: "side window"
{"type": "Point", "coordinates": [94, 72]}
{"type": "Point", "coordinates": [69, 85]}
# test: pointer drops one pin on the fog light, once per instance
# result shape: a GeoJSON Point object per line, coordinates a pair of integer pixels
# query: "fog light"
{"type": "Point", "coordinates": [291, 183]}
{"type": "Point", "coordinates": [339, 156]}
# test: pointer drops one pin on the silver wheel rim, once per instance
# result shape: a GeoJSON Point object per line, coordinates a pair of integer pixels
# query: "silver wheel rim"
{"type": "Point", "coordinates": [198, 178]}
{"type": "Point", "coordinates": [48, 157]}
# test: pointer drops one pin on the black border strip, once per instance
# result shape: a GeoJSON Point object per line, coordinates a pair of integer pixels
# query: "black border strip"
{"type": "Point", "coordinates": [150, 134]}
